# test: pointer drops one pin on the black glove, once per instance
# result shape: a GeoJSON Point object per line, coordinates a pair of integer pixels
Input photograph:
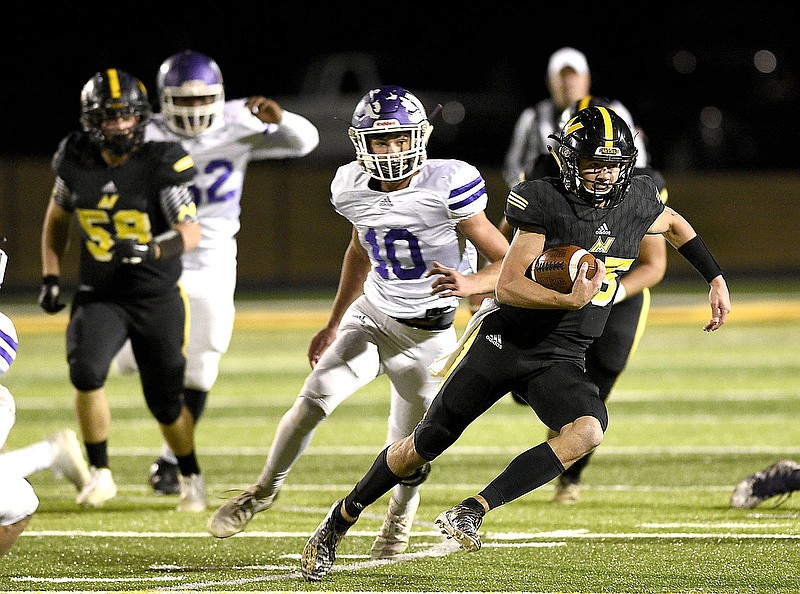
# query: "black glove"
{"type": "Point", "coordinates": [50, 295]}
{"type": "Point", "coordinates": [128, 251]}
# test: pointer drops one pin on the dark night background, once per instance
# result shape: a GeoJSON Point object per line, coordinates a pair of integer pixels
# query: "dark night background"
{"type": "Point", "coordinates": [721, 113]}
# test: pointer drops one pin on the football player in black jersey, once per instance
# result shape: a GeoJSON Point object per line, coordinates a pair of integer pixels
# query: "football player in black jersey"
{"type": "Point", "coordinates": [534, 341]}
{"type": "Point", "coordinates": [136, 217]}
{"type": "Point", "coordinates": [608, 355]}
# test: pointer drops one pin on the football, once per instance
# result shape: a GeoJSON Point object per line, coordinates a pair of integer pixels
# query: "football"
{"type": "Point", "coordinates": [557, 268]}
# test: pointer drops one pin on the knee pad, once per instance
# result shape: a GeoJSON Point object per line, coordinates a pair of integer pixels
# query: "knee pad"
{"type": "Point", "coordinates": [306, 413]}
{"type": "Point", "coordinates": [464, 397]}
{"type": "Point", "coordinates": [202, 370]}
{"type": "Point", "coordinates": [165, 410]}
{"type": "Point", "coordinates": [86, 376]}
{"type": "Point", "coordinates": [419, 476]}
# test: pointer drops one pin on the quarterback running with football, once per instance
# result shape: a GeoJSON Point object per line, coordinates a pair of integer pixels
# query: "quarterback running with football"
{"type": "Point", "coordinates": [398, 292]}
{"type": "Point", "coordinates": [222, 137]}
{"type": "Point", "coordinates": [534, 342]}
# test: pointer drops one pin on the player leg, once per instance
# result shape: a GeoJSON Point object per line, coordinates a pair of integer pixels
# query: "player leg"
{"type": "Point", "coordinates": [410, 351]}
{"type": "Point", "coordinates": [95, 333]}
{"type": "Point", "coordinates": [561, 396]}
{"type": "Point", "coordinates": [158, 334]}
{"type": "Point", "coordinates": [211, 316]}
{"type": "Point", "coordinates": [605, 360]}
{"type": "Point", "coordinates": [472, 387]}
{"type": "Point", "coordinates": [349, 363]}
{"type": "Point", "coordinates": [61, 453]}
{"type": "Point", "coordinates": [18, 503]}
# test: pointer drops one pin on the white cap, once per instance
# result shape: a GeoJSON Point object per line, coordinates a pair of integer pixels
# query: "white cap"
{"type": "Point", "coordinates": [567, 56]}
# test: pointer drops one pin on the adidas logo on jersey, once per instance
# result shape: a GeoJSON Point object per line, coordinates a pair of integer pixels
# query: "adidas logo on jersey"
{"type": "Point", "coordinates": [495, 339]}
{"type": "Point", "coordinates": [385, 203]}
{"type": "Point", "coordinates": [603, 230]}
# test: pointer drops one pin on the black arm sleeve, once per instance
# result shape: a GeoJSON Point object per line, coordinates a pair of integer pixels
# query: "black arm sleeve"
{"type": "Point", "coordinates": [698, 255]}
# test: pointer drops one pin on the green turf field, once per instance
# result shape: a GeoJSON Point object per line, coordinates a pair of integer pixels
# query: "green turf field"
{"type": "Point", "coordinates": [693, 414]}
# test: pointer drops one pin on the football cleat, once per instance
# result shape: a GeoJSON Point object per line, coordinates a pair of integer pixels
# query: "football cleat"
{"type": "Point", "coordinates": [320, 550]}
{"type": "Point", "coordinates": [393, 538]}
{"type": "Point", "coordinates": [98, 490]}
{"type": "Point", "coordinates": [164, 477]}
{"type": "Point", "coordinates": [68, 461]}
{"type": "Point", "coordinates": [193, 493]}
{"type": "Point", "coordinates": [233, 516]}
{"type": "Point", "coordinates": [774, 480]}
{"type": "Point", "coordinates": [461, 523]}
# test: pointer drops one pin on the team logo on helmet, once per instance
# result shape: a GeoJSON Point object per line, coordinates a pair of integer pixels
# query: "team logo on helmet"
{"type": "Point", "coordinates": [382, 111]}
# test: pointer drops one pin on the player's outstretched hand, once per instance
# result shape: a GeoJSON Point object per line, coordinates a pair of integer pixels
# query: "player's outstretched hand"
{"type": "Point", "coordinates": [449, 282]}
{"type": "Point", "coordinates": [319, 344]}
{"type": "Point", "coordinates": [266, 110]}
{"type": "Point", "coordinates": [720, 300]}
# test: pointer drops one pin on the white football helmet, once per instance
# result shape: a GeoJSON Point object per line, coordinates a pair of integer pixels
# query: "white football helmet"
{"type": "Point", "coordinates": [384, 110]}
{"type": "Point", "coordinates": [186, 76]}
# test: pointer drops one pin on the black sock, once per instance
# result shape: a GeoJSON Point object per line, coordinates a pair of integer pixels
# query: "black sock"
{"type": "Point", "coordinates": [195, 401]}
{"type": "Point", "coordinates": [474, 505]}
{"type": "Point", "coordinates": [188, 464]}
{"type": "Point", "coordinates": [377, 482]}
{"type": "Point", "coordinates": [97, 454]}
{"type": "Point", "coordinates": [528, 471]}
{"type": "Point", "coordinates": [342, 524]}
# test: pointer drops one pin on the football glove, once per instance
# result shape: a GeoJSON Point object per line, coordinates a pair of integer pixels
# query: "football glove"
{"type": "Point", "coordinates": [128, 251]}
{"type": "Point", "coordinates": [50, 295]}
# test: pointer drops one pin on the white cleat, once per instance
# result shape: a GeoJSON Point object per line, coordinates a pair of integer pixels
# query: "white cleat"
{"type": "Point", "coordinates": [98, 490]}
{"type": "Point", "coordinates": [68, 460]}
{"type": "Point", "coordinates": [393, 538]}
{"type": "Point", "coordinates": [233, 516]}
{"type": "Point", "coordinates": [193, 493]}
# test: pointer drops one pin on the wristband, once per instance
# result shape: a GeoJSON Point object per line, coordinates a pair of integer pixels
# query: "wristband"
{"type": "Point", "coordinates": [697, 254]}
{"type": "Point", "coordinates": [170, 244]}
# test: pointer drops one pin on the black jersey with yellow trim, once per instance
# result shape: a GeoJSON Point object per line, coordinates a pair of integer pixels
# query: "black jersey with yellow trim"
{"type": "Point", "coordinates": [122, 202]}
{"type": "Point", "coordinates": [611, 234]}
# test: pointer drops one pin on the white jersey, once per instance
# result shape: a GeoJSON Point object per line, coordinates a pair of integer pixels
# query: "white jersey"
{"type": "Point", "coordinates": [405, 231]}
{"type": "Point", "coordinates": [221, 157]}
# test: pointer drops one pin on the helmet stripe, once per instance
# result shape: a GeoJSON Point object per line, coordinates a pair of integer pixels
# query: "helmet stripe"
{"type": "Point", "coordinates": [608, 127]}
{"type": "Point", "coordinates": [585, 102]}
{"type": "Point", "coordinates": [113, 83]}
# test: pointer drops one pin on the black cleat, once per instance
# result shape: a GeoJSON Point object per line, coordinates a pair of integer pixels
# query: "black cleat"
{"type": "Point", "coordinates": [320, 550]}
{"type": "Point", "coordinates": [763, 485]}
{"type": "Point", "coordinates": [461, 524]}
{"type": "Point", "coordinates": [164, 477]}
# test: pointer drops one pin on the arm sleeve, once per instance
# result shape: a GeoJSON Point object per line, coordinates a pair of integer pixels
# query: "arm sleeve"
{"type": "Point", "coordinates": [295, 136]}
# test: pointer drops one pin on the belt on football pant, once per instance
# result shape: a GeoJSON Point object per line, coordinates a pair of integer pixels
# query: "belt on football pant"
{"type": "Point", "coordinates": [440, 318]}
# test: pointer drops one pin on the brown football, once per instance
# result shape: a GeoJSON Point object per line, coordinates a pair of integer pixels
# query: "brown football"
{"type": "Point", "coordinates": [557, 268]}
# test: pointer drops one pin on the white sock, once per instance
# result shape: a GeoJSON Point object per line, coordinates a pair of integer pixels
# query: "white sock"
{"type": "Point", "coordinates": [25, 461]}
{"type": "Point", "coordinates": [291, 439]}
{"type": "Point", "coordinates": [403, 494]}
{"type": "Point", "coordinates": [168, 454]}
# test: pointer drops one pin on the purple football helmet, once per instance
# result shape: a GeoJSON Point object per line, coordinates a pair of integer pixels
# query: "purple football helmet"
{"type": "Point", "coordinates": [384, 110]}
{"type": "Point", "coordinates": [191, 93]}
